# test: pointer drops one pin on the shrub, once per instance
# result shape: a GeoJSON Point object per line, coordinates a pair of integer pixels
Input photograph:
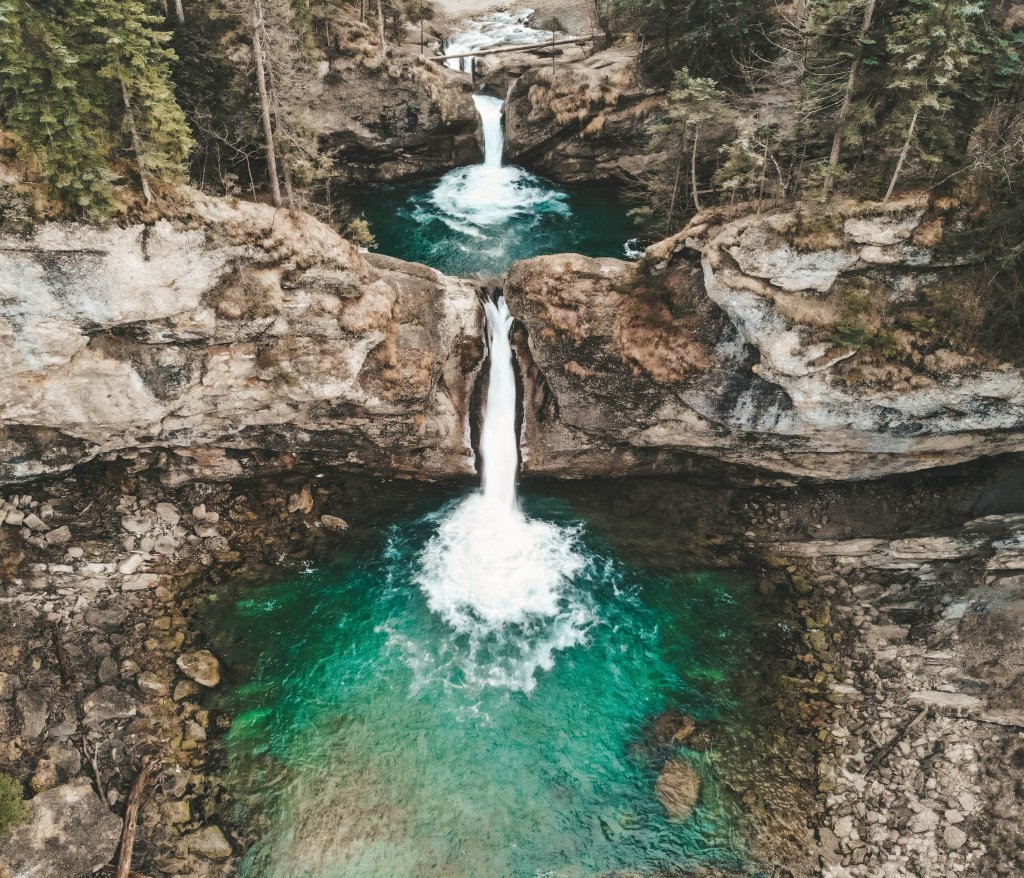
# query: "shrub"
{"type": "Point", "coordinates": [13, 810]}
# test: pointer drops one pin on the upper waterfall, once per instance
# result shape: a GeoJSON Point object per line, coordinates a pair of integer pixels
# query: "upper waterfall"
{"type": "Point", "coordinates": [494, 137]}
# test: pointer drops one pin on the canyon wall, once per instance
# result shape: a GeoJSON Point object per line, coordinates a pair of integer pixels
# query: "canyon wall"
{"type": "Point", "coordinates": [228, 328]}
{"type": "Point", "coordinates": [791, 344]}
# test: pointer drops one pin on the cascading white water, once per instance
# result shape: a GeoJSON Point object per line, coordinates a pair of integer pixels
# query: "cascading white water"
{"type": "Point", "coordinates": [498, 445]}
{"type": "Point", "coordinates": [494, 138]}
{"type": "Point", "coordinates": [496, 576]}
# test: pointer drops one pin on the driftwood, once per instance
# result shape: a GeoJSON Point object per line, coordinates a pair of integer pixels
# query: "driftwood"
{"type": "Point", "coordinates": [131, 819]}
{"type": "Point", "coordinates": [94, 760]}
{"type": "Point", "coordinates": [67, 672]}
{"type": "Point", "coordinates": [891, 745]}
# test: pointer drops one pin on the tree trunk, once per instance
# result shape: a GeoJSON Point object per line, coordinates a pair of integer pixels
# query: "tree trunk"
{"type": "Point", "coordinates": [268, 128]}
{"type": "Point", "coordinates": [675, 193]}
{"type": "Point", "coordinates": [851, 82]}
{"type": "Point", "coordinates": [179, 12]}
{"type": "Point", "coordinates": [693, 166]}
{"type": "Point", "coordinates": [147, 193]}
{"type": "Point", "coordinates": [903, 154]}
{"type": "Point", "coordinates": [131, 819]}
{"type": "Point", "coordinates": [380, 28]}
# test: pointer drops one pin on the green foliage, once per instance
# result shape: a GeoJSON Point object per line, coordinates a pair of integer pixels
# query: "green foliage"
{"type": "Point", "coordinates": [51, 106]}
{"type": "Point", "coordinates": [360, 234]}
{"type": "Point", "coordinates": [712, 39]}
{"type": "Point", "coordinates": [66, 69]}
{"type": "Point", "coordinates": [13, 811]}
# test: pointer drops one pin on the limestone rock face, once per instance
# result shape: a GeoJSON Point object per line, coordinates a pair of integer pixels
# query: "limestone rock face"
{"type": "Point", "coordinates": [70, 833]}
{"type": "Point", "coordinates": [728, 341]}
{"type": "Point", "coordinates": [582, 121]}
{"type": "Point", "coordinates": [390, 119]}
{"type": "Point", "coordinates": [227, 328]}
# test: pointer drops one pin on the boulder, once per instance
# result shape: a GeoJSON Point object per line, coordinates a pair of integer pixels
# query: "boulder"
{"type": "Point", "coordinates": [333, 523]}
{"type": "Point", "coordinates": [70, 834]}
{"type": "Point", "coordinates": [678, 788]}
{"type": "Point", "coordinates": [209, 842]}
{"type": "Point", "coordinates": [583, 120]}
{"type": "Point", "coordinates": [201, 666]}
{"type": "Point", "coordinates": [108, 703]}
{"type": "Point", "coordinates": [31, 708]}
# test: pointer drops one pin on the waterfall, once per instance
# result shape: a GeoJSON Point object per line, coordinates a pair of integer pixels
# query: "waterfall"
{"type": "Point", "coordinates": [499, 447]}
{"type": "Point", "coordinates": [500, 579]}
{"type": "Point", "coordinates": [494, 138]}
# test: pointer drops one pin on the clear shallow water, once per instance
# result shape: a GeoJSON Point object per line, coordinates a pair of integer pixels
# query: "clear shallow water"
{"type": "Point", "coordinates": [378, 734]}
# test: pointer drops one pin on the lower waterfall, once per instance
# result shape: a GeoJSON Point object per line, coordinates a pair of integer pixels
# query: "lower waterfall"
{"type": "Point", "coordinates": [494, 574]}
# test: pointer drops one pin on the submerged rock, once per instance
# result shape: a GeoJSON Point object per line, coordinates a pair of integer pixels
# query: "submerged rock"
{"type": "Point", "coordinates": [70, 833]}
{"type": "Point", "coordinates": [210, 842]}
{"type": "Point", "coordinates": [678, 788]}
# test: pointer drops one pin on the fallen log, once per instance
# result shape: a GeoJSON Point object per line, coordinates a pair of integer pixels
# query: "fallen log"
{"type": "Point", "coordinates": [526, 47]}
{"type": "Point", "coordinates": [131, 819]}
{"type": "Point", "coordinates": [891, 745]}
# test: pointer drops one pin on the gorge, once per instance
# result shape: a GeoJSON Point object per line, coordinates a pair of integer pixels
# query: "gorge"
{"type": "Point", "coordinates": [473, 522]}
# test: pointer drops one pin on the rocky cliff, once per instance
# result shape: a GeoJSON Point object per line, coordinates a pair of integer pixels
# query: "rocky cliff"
{"type": "Point", "coordinates": [799, 346]}
{"type": "Point", "coordinates": [223, 329]}
{"type": "Point", "coordinates": [582, 121]}
{"type": "Point", "coordinates": [382, 119]}
{"type": "Point", "coordinates": [234, 338]}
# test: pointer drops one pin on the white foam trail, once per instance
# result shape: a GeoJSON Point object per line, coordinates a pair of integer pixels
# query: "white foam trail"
{"type": "Point", "coordinates": [496, 29]}
{"type": "Point", "coordinates": [494, 138]}
{"type": "Point", "coordinates": [502, 581]}
{"type": "Point", "coordinates": [470, 199]}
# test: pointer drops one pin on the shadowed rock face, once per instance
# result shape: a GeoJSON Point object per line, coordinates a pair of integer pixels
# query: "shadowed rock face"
{"type": "Point", "coordinates": [229, 328]}
{"type": "Point", "coordinates": [582, 121]}
{"type": "Point", "coordinates": [721, 343]}
{"type": "Point", "coordinates": [390, 119]}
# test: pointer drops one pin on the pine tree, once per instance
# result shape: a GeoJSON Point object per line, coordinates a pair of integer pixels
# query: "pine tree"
{"type": "Point", "coordinates": [132, 59]}
{"type": "Point", "coordinates": [66, 66]}
{"type": "Point", "coordinates": [52, 104]}
{"type": "Point", "coordinates": [932, 45]}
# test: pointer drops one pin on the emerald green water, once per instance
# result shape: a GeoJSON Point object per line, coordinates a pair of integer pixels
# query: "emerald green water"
{"type": "Point", "coordinates": [486, 229]}
{"type": "Point", "coordinates": [372, 738]}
